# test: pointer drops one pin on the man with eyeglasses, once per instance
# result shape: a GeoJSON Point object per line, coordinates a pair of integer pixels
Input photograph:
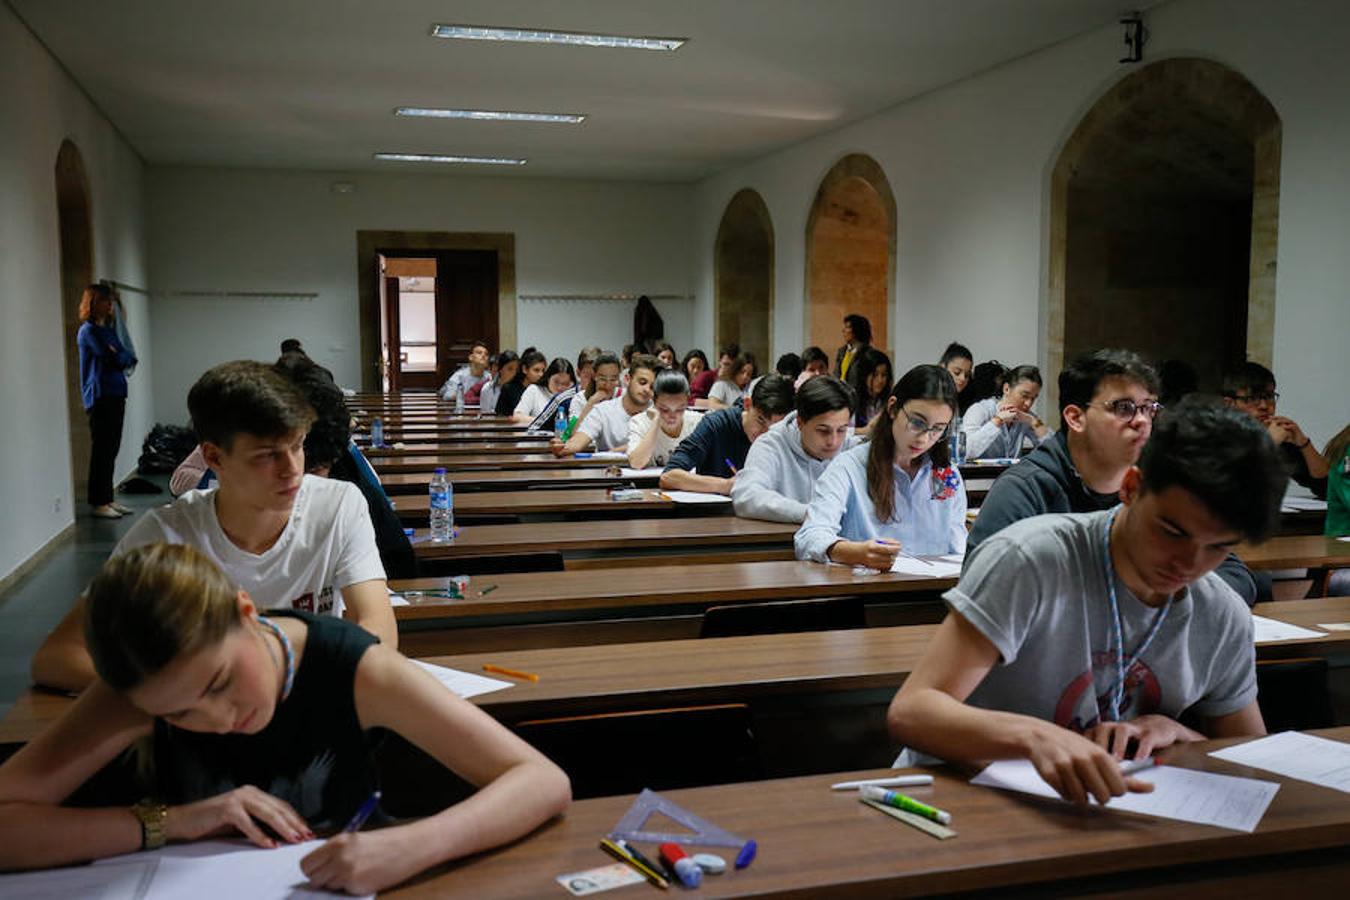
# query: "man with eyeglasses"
{"type": "Point", "coordinates": [707, 461]}
{"type": "Point", "coordinates": [1251, 388]}
{"type": "Point", "coordinates": [1108, 400]}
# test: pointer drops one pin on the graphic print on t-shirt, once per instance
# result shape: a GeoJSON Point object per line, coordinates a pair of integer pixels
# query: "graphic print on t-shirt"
{"type": "Point", "coordinates": [1143, 694]}
{"type": "Point", "coordinates": [305, 602]}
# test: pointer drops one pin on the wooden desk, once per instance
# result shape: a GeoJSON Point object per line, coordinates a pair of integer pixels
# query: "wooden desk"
{"type": "Point", "coordinates": [466, 448]}
{"type": "Point", "coordinates": [818, 843]}
{"type": "Point", "coordinates": [414, 441]}
{"type": "Point", "coordinates": [414, 508]}
{"type": "Point", "coordinates": [516, 479]}
{"type": "Point", "coordinates": [1313, 551]}
{"type": "Point", "coordinates": [490, 462]}
{"type": "Point", "coordinates": [625, 537]}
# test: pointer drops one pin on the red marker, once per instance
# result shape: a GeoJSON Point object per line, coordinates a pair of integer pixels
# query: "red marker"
{"type": "Point", "coordinates": [677, 861]}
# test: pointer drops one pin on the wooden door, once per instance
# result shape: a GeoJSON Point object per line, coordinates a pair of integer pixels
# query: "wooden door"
{"type": "Point", "coordinates": [466, 305]}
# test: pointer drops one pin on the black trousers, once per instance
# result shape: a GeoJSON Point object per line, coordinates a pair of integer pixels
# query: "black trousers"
{"type": "Point", "coordinates": [105, 428]}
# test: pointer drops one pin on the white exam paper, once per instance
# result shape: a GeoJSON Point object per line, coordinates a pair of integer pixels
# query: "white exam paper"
{"type": "Point", "coordinates": [1274, 630]}
{"type": "Point", "coordinates": [466, 684]}
{"type": "Point", "coordinates": [1295, 755]}
{"type": "Point", "coordinates": [128, 880]}
{"type": "Point", "coordinates": [207, 870]}
{"type": "Point", "coordinates": [929, 566]}
{"type": "Point", "coordinates": [1303, 504]}
{"type": "Point", "coordinates": [1183, 794]}
{"type": "Point", "coordinates": [696, 497]}
{"type": "Point", "coordinates": [628, 472]}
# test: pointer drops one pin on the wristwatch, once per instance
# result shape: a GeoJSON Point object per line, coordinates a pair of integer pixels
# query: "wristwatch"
{"type": "Point", "coordinates": [151, 815]}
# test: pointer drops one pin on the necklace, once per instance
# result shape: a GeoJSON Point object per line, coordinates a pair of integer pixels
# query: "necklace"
{"type": "Point", "coordinates": [286, 650]}
{"type": "Point", "coordinates": [1115, 692]}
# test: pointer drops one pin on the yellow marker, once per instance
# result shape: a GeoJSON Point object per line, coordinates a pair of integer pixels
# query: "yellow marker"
{"type": "Point", "coordinates": [624, 856]}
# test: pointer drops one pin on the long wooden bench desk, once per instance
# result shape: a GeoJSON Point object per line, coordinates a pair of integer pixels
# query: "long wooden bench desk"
{"type": "Point", "coordinates": [412, 441]}
{"type": "Point", "coordinates": [515, 479]}
{"type": "Point", "coordinates": [612, 538]}
{"type": "Point", "coordinates": [817, 843]}
{"type": "Point", "coordinates": [418, 462]}
{"type": "Point", "coordinates": [413, 509]}
{"type": "Point", "coordinates": [1314, 552]}
{"type": "Point", "coordinates": [618, 677]}
{"type": "Point", "coordinates": [466, 448]}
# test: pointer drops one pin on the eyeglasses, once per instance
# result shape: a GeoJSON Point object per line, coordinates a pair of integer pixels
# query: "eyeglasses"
{"type": "Point", "coordinates": [1272, 397]}
{"type": "Point", "coordinates": [1125, 410]}
{"type": "Point", "coordinates": [918, 426]}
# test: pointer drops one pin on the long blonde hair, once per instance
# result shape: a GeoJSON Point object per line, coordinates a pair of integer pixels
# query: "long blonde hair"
{"type": "Point", "coordinates": [149, 606]}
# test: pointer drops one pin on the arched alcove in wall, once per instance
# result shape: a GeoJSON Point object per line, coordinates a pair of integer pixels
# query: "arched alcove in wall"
{"type": "Point", "coordinates": [743, 274]}
{"type": "Point", "coordinates": [850, 252]}
{"type": "Point", "coordinates": [1164, 219]}
{"type": "Point", "coordinates": [76, 230]}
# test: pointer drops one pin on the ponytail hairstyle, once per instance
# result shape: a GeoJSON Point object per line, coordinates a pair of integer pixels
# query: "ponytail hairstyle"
{"type": "Point", "coordinates": [151, 605]}
{"type": "Point", "coordinates": [91, 295]}
{"type": "Point", "coordinates": [1011, 377]}
{"type": "Point", "coordinates": [504, 359]}
{"type": "Point", "coordinates": [926, 382]}
{"type": "Point", "coordinates": [529, 358]}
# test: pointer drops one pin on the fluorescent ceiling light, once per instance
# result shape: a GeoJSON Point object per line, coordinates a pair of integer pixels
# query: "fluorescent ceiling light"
{"type": "Point", "coordinates": [439, 158]}
{"type": "Point", "coordinates": [537, 36]}
{"type": "Point", "coordinates": [488, 115]}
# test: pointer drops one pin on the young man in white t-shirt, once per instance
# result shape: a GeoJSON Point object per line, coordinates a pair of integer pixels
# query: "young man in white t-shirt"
{"type": "Point", "coordinates": [605, 427]}
{"type": "Point", "coordinates": [292, 540]}
{"type": "Point", "coordinates": [1079, 639]}
{"type": "Point", "coordinates": [654, 435]}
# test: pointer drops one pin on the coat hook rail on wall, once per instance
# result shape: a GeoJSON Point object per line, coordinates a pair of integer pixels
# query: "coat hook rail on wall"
{"type": "Point", "coordinates": [610, 296]}
{"type": "Point", "coordinates": [229, 295]}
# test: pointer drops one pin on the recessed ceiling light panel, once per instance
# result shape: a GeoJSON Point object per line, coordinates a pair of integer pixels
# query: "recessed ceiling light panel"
{"type": "Point", "coordinates": [539, 36]}
{"type": "Point", "coordinates": [441, 158]}
{"type": "Point", "coordinates": [488, 115]}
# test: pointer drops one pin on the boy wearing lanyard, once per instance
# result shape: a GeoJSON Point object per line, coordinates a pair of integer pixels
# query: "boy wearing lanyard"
{"type": "Point", "coordinates": [1078, 640]}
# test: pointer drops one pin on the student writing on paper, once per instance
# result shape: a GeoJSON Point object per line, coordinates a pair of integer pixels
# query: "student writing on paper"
{"type": "Point", "coordinates": [604, 385]}
{"type": "Point", "coordinates": [707, 461]}
{"type": "Point", "coordinates": [898, 491]}
{"type": "Point", "coordinates": [1000, 426]}
{"type": "Point", "coordinates": [1077, 640]}
{"type": "Point", "coordinates": [1107, 399]}
{"type": "Point", "coordinates": [731, 387]}
{"type": "Point", "coordinates": [293, 540]}
{"type": "Point", "coordinates": [957, 360]}
{"type": "Point", "coordinates": [605, 427]}
{"type": "Point", "coordinates": [541, 399]}
{"type": "Point", "coordinates": [654, 434]}
{"type": "Point", "coordinates": [257, 725]}
{"type": "Point", "coordinates": [783, 466]}
{"type": "Point", "coordinates": [871, 379]}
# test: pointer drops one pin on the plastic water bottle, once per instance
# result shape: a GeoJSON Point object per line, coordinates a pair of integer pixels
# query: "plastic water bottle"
{"type": "Point", "coordinates": [958, 443]}
{"type": "Point", "coordinates": [442, 508]}
{"type": "Point", "coordinates": [560, 422]}
{"type": "Point", "coordinates": [459, 401]}
{"type": "Point", "coordinates": [376, 432]}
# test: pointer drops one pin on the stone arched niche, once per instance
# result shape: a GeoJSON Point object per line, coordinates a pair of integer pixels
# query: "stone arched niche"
{"type": "Point", "coordinates": [75, 228]}
{"type": "Point", "coordinates": [850, 252]}
{"type": "Point", "coordinates": [1164, 218]}
{"type": "Point", "coordinates": [743, 262]}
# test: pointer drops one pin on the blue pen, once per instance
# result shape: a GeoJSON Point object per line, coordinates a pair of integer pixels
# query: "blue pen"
{"type": "Point", "coordinates": [364, 812]}
{"type": "Point", "coordinates": [730, 466]}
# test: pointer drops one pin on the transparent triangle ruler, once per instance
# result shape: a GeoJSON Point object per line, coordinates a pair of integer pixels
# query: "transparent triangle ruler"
{"type": "Point", "coordinates": [701, 832]}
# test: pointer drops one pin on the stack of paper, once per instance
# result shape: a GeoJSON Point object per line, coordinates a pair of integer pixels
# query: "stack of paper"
{"type": "Point", "coordinates": [1275, 630]}
{"type": "Point", "coordinates": [628, 472]}
{"type": "Point", "coordinates": [1182, 794]}
{"type": "Point", "coordinates": [695, 497]}
{"type": "Point", "coordinates": [1295, 755]}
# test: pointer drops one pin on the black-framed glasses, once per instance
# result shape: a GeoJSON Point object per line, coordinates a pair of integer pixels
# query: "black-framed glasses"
{"type": "Point", "coordinates": [1126, 409]}
{"type": "Point", "coordinates": [918, 426]}
{"type": "Point", "coordinates": [1271, 397]}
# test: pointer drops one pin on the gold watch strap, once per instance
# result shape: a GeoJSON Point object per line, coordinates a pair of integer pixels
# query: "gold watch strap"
{"type": "Point", "coordinates": [152, 816]}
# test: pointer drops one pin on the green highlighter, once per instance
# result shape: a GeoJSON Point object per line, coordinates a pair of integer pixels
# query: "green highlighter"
{"type": "Point", "coordinates": [908, 804]}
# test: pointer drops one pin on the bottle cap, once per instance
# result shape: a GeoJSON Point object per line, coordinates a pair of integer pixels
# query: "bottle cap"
{"type": "Point", "coordinates": [440, 471]}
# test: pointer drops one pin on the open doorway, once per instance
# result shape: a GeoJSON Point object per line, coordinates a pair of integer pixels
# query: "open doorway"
{"type": "Point", "coordinates": [743, 258]}
{"type": "Point", "coordinates": [425, 298]}
{"type": "Point", "coordinates": [1164, 221]}
{"type": "Point", "coordinates": [75, 226]}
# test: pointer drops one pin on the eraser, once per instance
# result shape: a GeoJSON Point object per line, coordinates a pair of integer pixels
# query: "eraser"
{"type": "Point", "coordinates": [713, 865]}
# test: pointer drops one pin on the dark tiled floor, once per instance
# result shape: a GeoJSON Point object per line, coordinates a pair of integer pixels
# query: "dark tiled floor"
{"type": "Point", "coordinates": [32, 607]}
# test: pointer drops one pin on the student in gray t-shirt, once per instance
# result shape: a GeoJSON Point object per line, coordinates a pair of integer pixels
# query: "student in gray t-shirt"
{"type": "Point", "coordinates": [1052, 610]}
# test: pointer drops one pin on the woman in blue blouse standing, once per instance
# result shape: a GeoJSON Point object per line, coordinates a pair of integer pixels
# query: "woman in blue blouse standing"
{"type": "Point", "coordinates": [103, 385]}
{"type": "Point", "coordinates": [897, 492]}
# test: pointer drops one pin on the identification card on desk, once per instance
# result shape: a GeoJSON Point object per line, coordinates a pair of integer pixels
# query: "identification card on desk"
{"type": "Point", "coordinates": [593, 881]}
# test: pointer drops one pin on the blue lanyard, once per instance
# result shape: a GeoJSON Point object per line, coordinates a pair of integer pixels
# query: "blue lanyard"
{"type": "Point", "coordinates": [1115, 692]}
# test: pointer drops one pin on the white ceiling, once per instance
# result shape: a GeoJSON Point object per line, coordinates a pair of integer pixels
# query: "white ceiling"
{"type": "Point", "coordinates": [311, 84]}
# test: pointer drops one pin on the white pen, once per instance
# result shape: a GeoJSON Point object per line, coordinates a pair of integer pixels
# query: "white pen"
{"type": "Point", "coordinates": [1130, 766]}
{"type": "Point", "coordinates": [894, 781]}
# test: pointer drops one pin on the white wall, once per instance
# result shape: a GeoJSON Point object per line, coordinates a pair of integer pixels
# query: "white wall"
{"type": "Point", "coordinates": [969, 165]}
{"type": "Point", "coordinates": [40, 107]}
{"type": "Point", "coordinates": [257, 230]}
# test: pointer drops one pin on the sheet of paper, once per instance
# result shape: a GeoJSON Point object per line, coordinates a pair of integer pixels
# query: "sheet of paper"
{"type": "Point", "coordinates": [1303, 504]}
{"type": "Point", "coordinates": [1346, 539]}
{"type": "Point", "coordinates": [127, 880]}
{"type": "Point", "coordinates": [1275, 630]}
{"type": "Point", "coordinates": [696, 497]}
{"type": "Point", "coordinates": [1183, 794]}
{"type": "Point", "coordinates": [1334, 626]}
{"type": "Point", "coordinates": [592, 881]}
{"type": "Point", "coordinates": [1295, 755]}
{"type": "Point", "coordinates": [605, 454]}
{"type": "Point", "coordinates": [224, 870]}
{"type": "Point", "coordinates": [466, 684]}
{"type": "Point", "coordinates": [397, 599]}
{"type": "Point", "coordinates": [648, 472]}
{"type": "Point", "coordinates": [930, 566]}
